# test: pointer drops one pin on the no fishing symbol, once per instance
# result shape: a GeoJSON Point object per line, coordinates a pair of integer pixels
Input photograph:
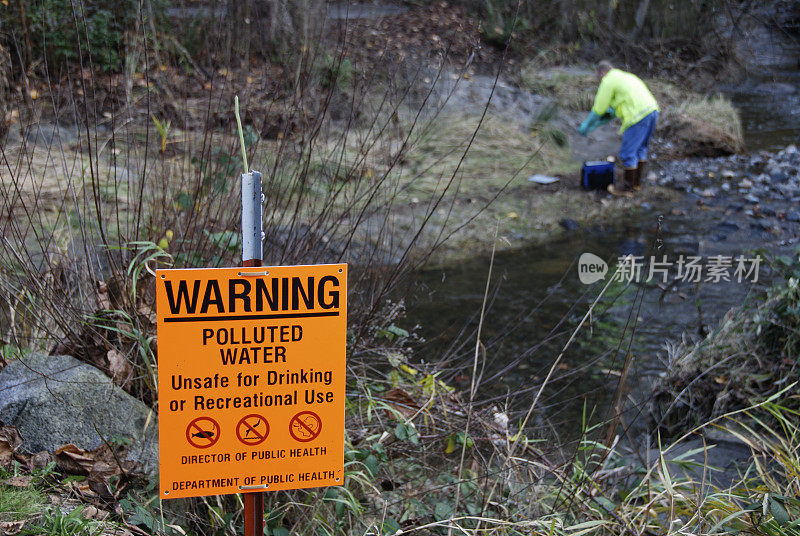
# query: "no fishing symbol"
{"type": "Point", "coordinates": [203, 432]}
{"type": "Point", "coordinates": [305, 426]}
{"type": "Point", "coordinates": [252, 429]}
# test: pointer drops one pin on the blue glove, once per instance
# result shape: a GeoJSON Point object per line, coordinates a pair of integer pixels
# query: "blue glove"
{"type": "Point", "coordinates": [589, 124]}
{"type": "Point", "coordinates": [607, 117]}
{"type": "Point", "coordinates": [593, 121]}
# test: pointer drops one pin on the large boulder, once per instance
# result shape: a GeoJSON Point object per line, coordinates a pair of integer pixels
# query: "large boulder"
{"type": "Point", "coordinates": [57, 400]}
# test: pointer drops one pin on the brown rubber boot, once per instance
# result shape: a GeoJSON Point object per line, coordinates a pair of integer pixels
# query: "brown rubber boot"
{"type": "Point", "coordinates": [640, 169]}
{"type": "Point", "coordinates": [626, 189]}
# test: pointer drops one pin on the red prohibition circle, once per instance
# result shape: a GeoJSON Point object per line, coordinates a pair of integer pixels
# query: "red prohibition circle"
{"type": "Point", "coordinates": [202, 430]}
{"type": "Point", "coordinates": [305, 426]}
{"type": "Point", "coordinates": [252, 429]}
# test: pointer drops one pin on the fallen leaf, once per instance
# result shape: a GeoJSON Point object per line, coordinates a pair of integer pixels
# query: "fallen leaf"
{"type": "Point", "coordinates": [402, 402]}
{"type": "Point", "coordinates": [42, 459]}
{"type": "Point", "coordinates": [98, 462]}
{"type": "Point", "coordinates": [10, 440]}
{"type": "Point", "coordinates": [148, 311]}
{"type": "Point", "coordinates": [19, 481]}
{"type": "Point", "coordinates": [93, 512]}
{"type": "Point", "coordinates": [100, 487]}
{"type": "Point", "coordinates": [103, 300]}
{"type": "Point", "coordinates": [119, 367]}
{"type": "Point", "coordinates": [74, 460]}
{"type": "Point", "coordinates": [10, 528]}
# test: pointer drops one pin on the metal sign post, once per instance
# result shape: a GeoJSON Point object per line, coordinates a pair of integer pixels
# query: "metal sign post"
{"type": "Point", "coordinates": [226, 425]}
{"type": "Point", "coordinates": [252, 255]}
{"type": "Point", "coordinates": [251, 219]}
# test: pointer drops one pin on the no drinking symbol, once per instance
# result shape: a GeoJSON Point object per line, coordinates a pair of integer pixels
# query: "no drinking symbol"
{"type": "Point", "coordinates": [305, 426]}
{"type": "Point", "coordinates": [252, 429]}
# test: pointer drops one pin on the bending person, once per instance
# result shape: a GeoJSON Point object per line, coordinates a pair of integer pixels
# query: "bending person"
{"type": "Point", "coordinates": [624, 95]}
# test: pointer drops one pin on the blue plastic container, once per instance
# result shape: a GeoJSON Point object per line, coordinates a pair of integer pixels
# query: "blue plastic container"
{"type": "Point", "coordinates": [597, 175]}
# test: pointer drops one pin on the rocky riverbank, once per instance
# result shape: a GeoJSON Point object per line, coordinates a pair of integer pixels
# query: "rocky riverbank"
{"type": "Point", "coordinates": [762, 190]}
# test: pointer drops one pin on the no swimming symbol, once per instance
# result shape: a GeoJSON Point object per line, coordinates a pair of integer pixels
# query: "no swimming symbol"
{"type": "Point", "coordinates": [252, 429]}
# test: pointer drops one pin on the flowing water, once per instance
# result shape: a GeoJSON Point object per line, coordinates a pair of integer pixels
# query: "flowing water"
{"type": "Point", "coordinates": [536, 299]}
{"type": "Point", "coordinates": [769, 102]}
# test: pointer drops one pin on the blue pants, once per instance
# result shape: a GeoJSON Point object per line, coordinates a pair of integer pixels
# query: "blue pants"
{"type": "Point", "coordinates": [636, 139]}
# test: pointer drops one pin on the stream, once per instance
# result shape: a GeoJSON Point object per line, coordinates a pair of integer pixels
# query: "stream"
{"type": "Point", "coordinates": [536, 300]}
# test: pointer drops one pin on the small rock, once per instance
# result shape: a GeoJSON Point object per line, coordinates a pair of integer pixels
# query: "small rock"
{"type": "Point", "coordinates": [726, 187]}
{"type": "Point", "coordinates": [750, 198]}
{"type": "Point", "coordinates": [746, 183]}
{"type": "Point", "coordinates": [793, 216]}
{"type": "Point", "coordinates": [709, 192]}
{"type": "Point", "coordinates": [767, 211]}
{"type": "Point", "coordinates": [727, 174]}
{"type": "Point", "coordinates": [727, 226]}
{"type": "Point", "coordinates": [569, 224]}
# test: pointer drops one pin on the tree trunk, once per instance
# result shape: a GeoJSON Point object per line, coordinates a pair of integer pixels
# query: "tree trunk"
{"type": "Point", "coordinates": [641, 17]}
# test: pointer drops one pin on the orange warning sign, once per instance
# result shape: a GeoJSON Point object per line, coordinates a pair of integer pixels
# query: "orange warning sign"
{"type": "Point", "coordinates": [251, 363]}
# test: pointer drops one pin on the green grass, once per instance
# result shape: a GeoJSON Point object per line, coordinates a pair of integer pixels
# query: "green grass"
{"type": "Point", "coordinates": [54, 522]}
{"type": "Point", "coordinates": [20, 503]}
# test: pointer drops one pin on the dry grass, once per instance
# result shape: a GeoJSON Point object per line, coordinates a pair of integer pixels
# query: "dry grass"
{"type": "Point", "coordinates": [749, 356]}
{"type": "Point", "coordinates": [502, 154]}
{"type": "Point", "coordinates": [571, 87]}
{"type": "Point", "coordinates": [700, 125]}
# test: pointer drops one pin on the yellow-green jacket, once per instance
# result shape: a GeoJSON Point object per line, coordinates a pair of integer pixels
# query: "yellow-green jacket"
{"type": "Point", "coordinates": [627, 95]}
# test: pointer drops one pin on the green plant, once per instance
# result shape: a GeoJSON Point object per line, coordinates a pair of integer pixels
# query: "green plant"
{"type": "Point", "coordinates": [336, 72]}
{"type": "Point", "coordinates": [20, 503]}
{"type": "Point", "coordinates": [54, 522]}
{"type": "Point", "coordinates": [64, 31]}
{"type": "Point", "coordinates": [163, 127]}
{"type": "Point", "coordinates": [749, 356]}
{"type": "Point", "coordinates": [502, 23]}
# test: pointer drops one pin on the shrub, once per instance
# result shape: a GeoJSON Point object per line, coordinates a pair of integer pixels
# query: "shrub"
{"type": "Point", "coordinates": [66, 31]}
